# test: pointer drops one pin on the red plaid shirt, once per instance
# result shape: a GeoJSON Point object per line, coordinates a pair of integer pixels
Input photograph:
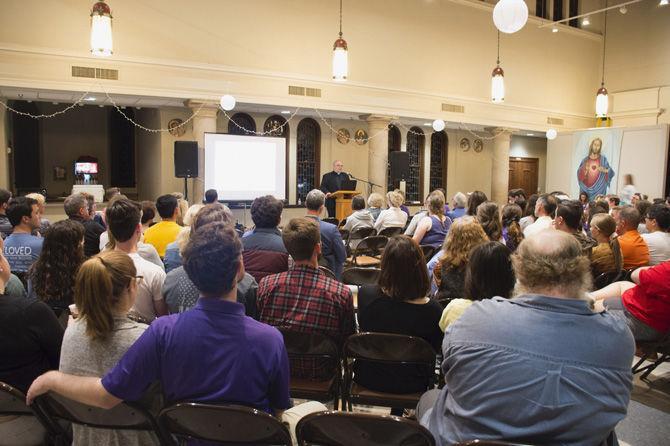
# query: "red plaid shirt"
{"type": "Point", "coordinates": [303, 299]}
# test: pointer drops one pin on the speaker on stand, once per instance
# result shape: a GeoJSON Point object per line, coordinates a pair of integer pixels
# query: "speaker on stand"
{"type": "Point", "coordinates": [186, 162]}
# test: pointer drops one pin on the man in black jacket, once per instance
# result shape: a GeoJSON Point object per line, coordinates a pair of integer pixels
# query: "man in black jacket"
{"type": "Point", "coordinates": [78, 208]}
{"type": "Point", "coordinates": [332, 182]}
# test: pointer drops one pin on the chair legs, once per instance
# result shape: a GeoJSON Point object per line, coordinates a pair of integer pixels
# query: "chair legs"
{"type": "Point", "coordinates": [650, 368]}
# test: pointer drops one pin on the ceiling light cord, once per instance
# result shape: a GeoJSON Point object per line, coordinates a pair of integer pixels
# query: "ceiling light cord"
{"type": "Point", "coordinates": [340, 19]}
{"type": "Point", "coordinates": [602, 83]}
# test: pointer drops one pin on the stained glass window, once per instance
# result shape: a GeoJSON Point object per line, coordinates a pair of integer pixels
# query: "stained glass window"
{"type": "Point", "coordinates": [244, 121]}
{"type": "Point", "coordinates": [307, 157]}
{"type": "Point", "coordinates": [394, 146]}
{"type": "Point", "coordinates": [438, 160]}
{"type": "Point", "coordinates": [415, 145]}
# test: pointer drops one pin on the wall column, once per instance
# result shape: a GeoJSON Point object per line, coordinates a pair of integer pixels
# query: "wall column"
{"type": "Point", "coordinates": [4, 144]}
{"type": "Point", "coordinates": [378, 146]}
{"type": "Point", "coordinates": [500, 165]}
{"type": "Point", "coordinates": [203, 122]}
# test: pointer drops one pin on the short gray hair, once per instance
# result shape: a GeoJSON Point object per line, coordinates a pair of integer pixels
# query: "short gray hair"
{"type": "Point", "coordinates": [460, 199]}
{"type": "Point", "coordinates": [315, 199]}
{"type": "Point", "coordinates": [74, 203]}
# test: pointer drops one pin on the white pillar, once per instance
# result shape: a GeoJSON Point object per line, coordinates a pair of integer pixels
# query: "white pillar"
{"type": "Point", "coordinates": [500, 165]}
{"type": "Point", "coordinates": [203, 122]}
{"type": "Point", "coordinates": [378, 150]}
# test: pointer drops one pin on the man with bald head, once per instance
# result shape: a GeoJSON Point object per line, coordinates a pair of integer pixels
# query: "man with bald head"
{"type": "Point", "coordinates": [541, 367]}
{"type": "Point", "coordinates": [332, 182]}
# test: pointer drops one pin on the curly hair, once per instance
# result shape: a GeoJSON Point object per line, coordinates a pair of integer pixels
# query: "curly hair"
{"type": "Point", "coordinates": [488, 216]}
{"type": "Point", "coordinates": [266, 211]}
{"type": "Point", "coordinates": [464, 235]}
{"type": "Point", "coordinates": [52, 276]}
{"type": "Point", "coordinates": [511, 215]}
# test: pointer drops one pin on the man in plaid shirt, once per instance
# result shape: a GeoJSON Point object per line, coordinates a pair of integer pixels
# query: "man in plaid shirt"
{"type": "Point", "coordinates": [303, 299]}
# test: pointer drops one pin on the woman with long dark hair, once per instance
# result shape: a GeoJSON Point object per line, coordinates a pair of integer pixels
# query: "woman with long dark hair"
{"type": "Point", "coordinates": [512, 234]}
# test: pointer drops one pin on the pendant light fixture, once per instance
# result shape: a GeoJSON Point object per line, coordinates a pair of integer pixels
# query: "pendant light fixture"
{"type": "Point", "coordinates": [498, 80]}
{"type": "Point", "coordinates": [340, 56]}
{"type": "Point", "coordinates": [101, 30]}
{"type": "Point", "coordinates": [602, 101]}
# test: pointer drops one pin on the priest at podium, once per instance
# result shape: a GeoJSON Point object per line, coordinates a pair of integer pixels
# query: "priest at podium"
{"type": "Point", "coordinates": [332, 182]}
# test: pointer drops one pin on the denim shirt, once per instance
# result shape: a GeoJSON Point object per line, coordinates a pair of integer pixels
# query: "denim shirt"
{"type": "Point", "coordinates": [533, 369]}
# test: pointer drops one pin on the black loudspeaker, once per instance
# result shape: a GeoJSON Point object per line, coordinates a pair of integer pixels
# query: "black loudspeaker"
{"type": "Point", "coordinates": [185, 159]}
{"type": "Point", "coordinates": [399, 165]}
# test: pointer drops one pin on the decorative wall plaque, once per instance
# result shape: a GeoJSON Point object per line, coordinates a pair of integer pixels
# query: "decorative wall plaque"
{"type": "Point", "coordinates": [176, 127]}
{"type": "Point", "coordinates": [477, 145]}
{"type": "Point", "coordinates": [361, 137]}
{"type": "Point", "coordinates": [343, 136]}
{"type": "Point", "coordinates": [465, 144]}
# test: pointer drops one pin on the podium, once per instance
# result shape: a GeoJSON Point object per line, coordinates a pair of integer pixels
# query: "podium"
{"type": "Point", "coordinates": [343, 203]}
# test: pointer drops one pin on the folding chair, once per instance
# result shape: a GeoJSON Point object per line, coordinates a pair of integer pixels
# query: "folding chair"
{"type": "Point", "coordinates": [223, 424]}
{"type": "Point", "coordinates": [390, 232]}
{"type": "Point", "coordinates": [368, 251]}
{"type": "Point", "coordinates": [327, 272]}
{"type": "Point", "coordinates": [13, 402]}
{"type": "Point", "coordinates": [428, 251]}
{"type": "Point", "coordinates": [322, 352]}
{"type": "Point", "coordinates": [357, 429]}
{"type": "Point", "coordinates": [361, 276]}
{"type": "Point", "coordinates": [355, 237]}
{"type": "Point", "coordinates": [332, 220]}
{"type": "Point", "coordinates": [605, 279]}
{"type": "Point", "coordinates": [660, 347]}
{"type": "Point", "coordinates": [389, 350]}
{"type": "Point", "coordinates": [124, 416]}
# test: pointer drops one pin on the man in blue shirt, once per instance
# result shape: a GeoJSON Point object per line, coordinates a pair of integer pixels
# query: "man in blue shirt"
{"type": "Point", "coordinates": [540, 368]}
{"type": "Point", "coordinates": [21, 248]}
{"type": "Point", "coordinates": [212, 353]}
{"type": "Point", "coordinates": [332, 246]}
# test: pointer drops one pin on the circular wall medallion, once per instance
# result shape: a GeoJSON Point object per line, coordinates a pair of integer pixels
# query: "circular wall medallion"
{"type": "Point", "coordinates": [343, 136]}
{"type": "Point", "coordinates": [477, 145]}
{"type": "Point", "coordinates": [176, 127]}
{"type": "Point", "coordinates": [465, 144]}
{"type": "Point", "coordinates": [361, 137]}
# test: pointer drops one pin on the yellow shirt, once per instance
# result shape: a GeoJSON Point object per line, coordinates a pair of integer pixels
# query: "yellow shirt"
{"type": "Point", "coordinates": [162, 234]}
{"type": "Point", "coordinates": [454, 310]}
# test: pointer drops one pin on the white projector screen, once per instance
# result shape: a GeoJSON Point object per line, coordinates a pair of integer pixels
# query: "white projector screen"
{"type": "Point", "coordinates": [242, 168]}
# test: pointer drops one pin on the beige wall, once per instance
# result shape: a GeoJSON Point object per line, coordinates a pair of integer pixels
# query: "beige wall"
{"type": "Point", "coordinates": [531, 147]}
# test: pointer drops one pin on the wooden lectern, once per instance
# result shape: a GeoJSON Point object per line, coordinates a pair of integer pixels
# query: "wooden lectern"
{"type": "Point", "coordinates": [343, 203]}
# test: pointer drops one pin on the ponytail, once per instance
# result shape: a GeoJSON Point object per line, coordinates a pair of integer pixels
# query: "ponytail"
{"type": "Point", "coordinates": [101, 281]}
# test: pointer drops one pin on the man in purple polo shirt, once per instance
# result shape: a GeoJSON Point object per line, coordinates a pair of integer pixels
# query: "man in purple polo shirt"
{"type": "Point", "coordinates": [212, 352]}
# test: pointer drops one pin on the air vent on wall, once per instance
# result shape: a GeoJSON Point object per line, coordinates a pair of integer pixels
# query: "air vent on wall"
{"type": "Point", "coordinates": [95, 73]}
{"type": "Point", "coordinates": [296, 91]}
{"type": "Point", "coordinates": [453, 108]}
{"type": "Point", "coordinates": [555, 121]}
{"type": "Point", "coordinates": [314, 92]}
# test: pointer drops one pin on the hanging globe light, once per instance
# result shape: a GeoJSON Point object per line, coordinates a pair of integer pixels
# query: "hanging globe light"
{"type": "Point", "coordinates": [552, 134]}
{"type": "Point", "coordinates": [101, 30]}
{"type": "Point", "coordinates": [227, 102]}
{"type": "Point", "coordinates": [509, 16]}
{"type": "Point", "coordinates": [498, 80]}
{"type": "Point", "coordinates": [340, 56]}
{"type": "Point", "coordinates": [438, 125]}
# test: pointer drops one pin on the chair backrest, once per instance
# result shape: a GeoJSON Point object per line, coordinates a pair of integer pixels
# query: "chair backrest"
{"type": "Point", "coordinates": [125, 415]}
{"type": "Point", "coordinates": [332, 220]}
{"type": "Point", "coordinates": [361, 233]}
{"type": "Point", "coordinates": [327, 272]}
{"type": "Point", "coordinates": [390, 348]}
{"type": "Point", "coordinates": [390, 232]}
{"type": "Point", "coordinates": [223, 424]}
{"type": "Point", "coordinates": [372, 245]}
{"type": "Point", "coordinates": [361, 276]}
{"type": "Point", "coordinates": [358, 429]}
{"type": "Point", "coordinates": [12, 401]}
{"type": "Point", "coordinates": [311, 345]}
{"type": "Point", "coordinates": [428, 251]}
{"type": "Point", "coordinates": [605, 279]}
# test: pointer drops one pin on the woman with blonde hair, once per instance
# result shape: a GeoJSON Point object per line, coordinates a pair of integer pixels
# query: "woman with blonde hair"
{"type": "Point", "coordinates": [393, 217]}
{"type": "Point", "coordinates": [375, 203]}
{"type": "Point", "coordinates": [449, 273]}
{"type": "Point", "coordinates": [105, 291]}
{"type": "Point", "coordinates": [488, 216]}
{"type": "Point", "coordinates": [604, 255]}
{"type": "Point", "coordinates": [433, 228]}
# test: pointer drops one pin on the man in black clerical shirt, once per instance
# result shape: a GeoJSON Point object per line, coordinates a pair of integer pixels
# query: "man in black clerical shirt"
{"type": "Point", "coordinates": [332, 182]}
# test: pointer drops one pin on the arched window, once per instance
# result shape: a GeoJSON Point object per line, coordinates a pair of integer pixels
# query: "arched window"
{"type": "Point", "coordinates": [394, 146]}
{"type": "Point", "coordinates": [414, 184]}
{"type": "Point", "coordinates": [308, 156]}
{"type": "Point", "coordinates": [277, 126]}
{"type": "Point", "coordinates": [438, 160]}
{"type": "Point", "coordinates": [244, 122]}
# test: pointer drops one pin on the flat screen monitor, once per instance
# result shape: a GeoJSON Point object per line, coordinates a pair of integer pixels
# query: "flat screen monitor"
{"type": "Point", "coordinates": [85, 168]}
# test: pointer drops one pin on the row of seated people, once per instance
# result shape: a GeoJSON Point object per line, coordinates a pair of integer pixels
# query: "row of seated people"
{"type": "Point", "coordinates": [301, 299]}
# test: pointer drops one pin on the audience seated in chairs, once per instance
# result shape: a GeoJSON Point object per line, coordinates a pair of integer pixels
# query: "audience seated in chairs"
{"type": "Point", "coordinates": [213, 353]}
{"type": "Point", "coordinates": [398, 305]}
{"type": "Point", "coordinates": [79, 208]}
{"type": "Point", "coordinates": [123, 221]}
{"type": "Point", "coordinates": [547, 366]}
{"type": "Point", "coordinates": [657, 222]}
{"type": "Point", "coordinates": [569, 220]}
{"type": "Point", "coordinates": [449, 268]}
{"type": "Point", "coordinates": [511, 229]}
{"type": "Point", "coordinates": [41, 203]}
{"type": "Point", "coordinates": [459, 202]}
{"type": "Point", "coordinates": [166, 231]}
{"type": "Point", "coordinates": [5, 226]}
{"type": "Point", "coordinates": [528, 212]}
{"type": "Point", "coordinates": [604, 255]}
{"type": "Point", "coordinates": [488, 274]}
{"type": "Point", "coordinates": [416, 218]}
{"type": "Point", "coordinates": [21, 248]}
{"type": "Point", "coordinates": [332, 247]}
{"type": "Point", "coordinates": [545, 207]}
{"type": "Point", "coordinates": [433, 228]}
{"type": "Point", "coordinates": [303, 298]}
{"type": "Point", "coordinates": [474, 200]}
{"type": "Point", "coordinates": [643, 305]}
{"type": "Point", "coordinates": [375, 203]}
{"type": "Point", "coordinates": [51, 278]}
{"type": "Point", "coordinates": [30, 342]}
{"type": "Point", "coordinates": [106, 289]}
{"type": "Point", "coordinates": [393, 217]}
{"type": "Point", "coordinates": [264, 252]}
{"type": "Point", "coordinates": [181, 294]}
{"type": "Point", "coordinates": [488, 215]}
{"type": "Point", "coordinates": [360, 218]}
{"type": "Point", "coordinates": [634, 249]}
{"type": "Point", "coordinates": [172, 258]}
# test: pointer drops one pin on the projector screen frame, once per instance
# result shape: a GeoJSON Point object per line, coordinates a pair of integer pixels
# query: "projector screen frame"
{"type": "Point", "coordinates": [286, 166]}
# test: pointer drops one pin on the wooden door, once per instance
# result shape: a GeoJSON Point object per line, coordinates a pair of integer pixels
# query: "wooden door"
{"type": "Point", "coordinates": [523, 174]}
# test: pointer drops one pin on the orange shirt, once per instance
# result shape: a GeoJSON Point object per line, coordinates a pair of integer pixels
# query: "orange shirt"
{"type": "Point", "coordinates": [634, 250]}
